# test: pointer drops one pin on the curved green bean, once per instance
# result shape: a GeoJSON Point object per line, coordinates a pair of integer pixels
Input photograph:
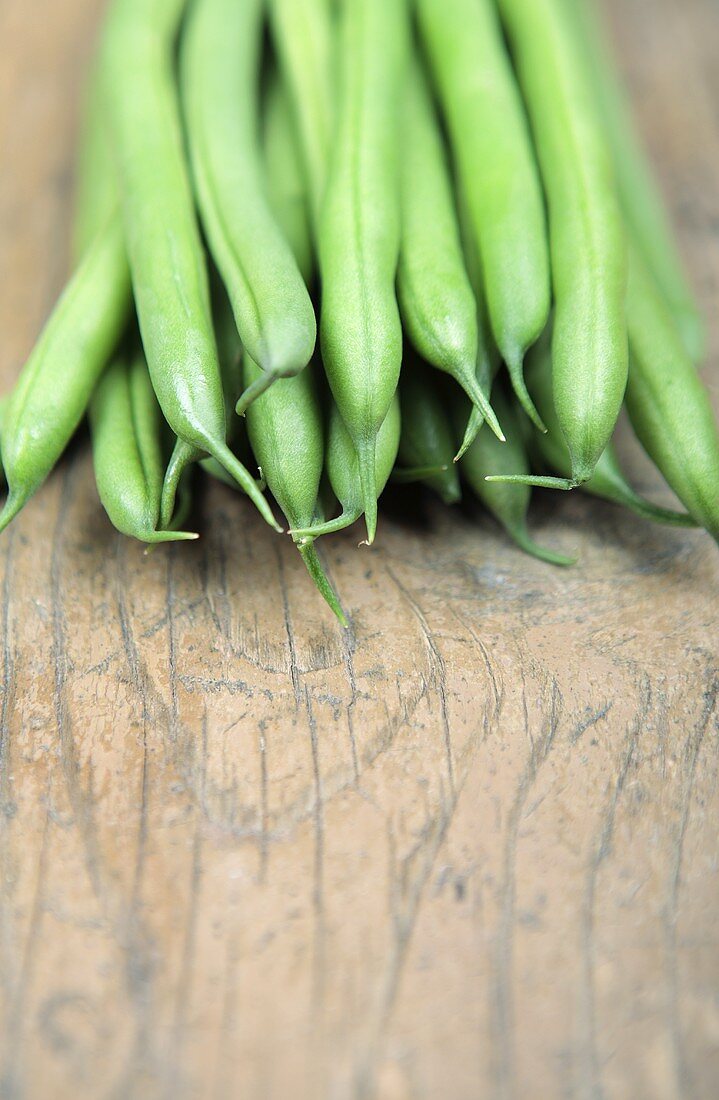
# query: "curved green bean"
{"type": "Point", "coordinates": [166, 258]}
{"type": "Point", "coordinates": [343, 468]}
{"type": "Point", "coordinates": [508, 502]}
{"type": "Point", "coordinates": [127, 451]}
{"type": "Point", "coordinates": [588, 249]}
{"type": "Point", "coordinates": [667, 404]}
{"type": "Point", "coordinates": [436, 301]}
{"type": "Point", "coordinates": [642, 202]}
{"type": "Point", "coordinates": [427, 436]}
{"type": "Point", "coordinates": [220, 59]}
{"type": "Point", "coordinates": [57, 381]}
{"type": "Point", "coordinates": [493, 151]}
{"type": "Point", "coordinates": [360, 327]}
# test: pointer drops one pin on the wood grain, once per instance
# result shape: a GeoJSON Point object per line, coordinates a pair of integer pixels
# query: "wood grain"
{"type": "Point", "coordinates": [466, 849]}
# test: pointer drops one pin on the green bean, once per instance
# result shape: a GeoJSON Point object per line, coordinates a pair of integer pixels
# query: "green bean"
{"type": "Point", "coordinates": [508, 503]}
{"type": "Point", "coordinates": [285, 424]}
{"type": "Point", "coordinates": [125, 419]}
{"type": "Point", "coordinates": [427, 437]}
{"type": "Point", "coordinates": [184, 455]}
{"type": "Point", "coordinates": [590, 348]}
{"type": "Point", "coordinates": [488, 355]}
{"type": "Point", "coordinates": [642, 202]}
{"type": "Point", "coordinates": [165, 252]}
{"type": "Point", "coordinates": [360, 327]}
{"type": "Point", "coordinates": [83, 330]}
{"type": "Point", "coordinates": [436, 300]}
{"type": "Point", "coordinates": [220, 59]}
{"type": "Point", "coordinates": [55, 385]}
{"type": "Point", "coordinates": [343, 468]}
{"type": "Point", "coordinates": [608, 481]}
{"type": "Point", "coordinates": [127, 451]}
{"type": "Point", "coordinates": [302, 33]}
{"type": "Point", "coordinates": [667, 403]}
{"type": "Point", "coordinates": [495, 162]}
{"type": "Point", "coordinates": [287, 437]}
{"type": "Point", "coordinates": [97, 197]}
{"type": "Point", "coordinates": [286, 188]}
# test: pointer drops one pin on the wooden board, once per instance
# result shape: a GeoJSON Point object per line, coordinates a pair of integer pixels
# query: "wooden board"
{"type": "Point", "coordinates": [466, 849]}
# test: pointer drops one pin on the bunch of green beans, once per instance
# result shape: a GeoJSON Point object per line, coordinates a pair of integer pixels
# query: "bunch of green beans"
{"type": "Point", "coordinates": [321, 246]}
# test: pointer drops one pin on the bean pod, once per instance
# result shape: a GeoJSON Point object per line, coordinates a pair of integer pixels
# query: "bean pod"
{"type": "Point", "coordinates": [588, 249]}
{"type": "Point", "coordinates": [427, 437]}
{"type": "Point", "coordinates": [220, 57]}
{"type": "Point", "coordinates": [508, 503]}
{"type": "Point", "coordinates": [667, 404]}
{"type": "Point", "coordinates": [163, 242]}
{"type": "Point", "coordinates": [495, 162]}
{"type": "Point", "coordinates": [608, 481]}
{"type": "Point", "coordinates": [343, 468]}
{"type": "Point", "coordinates": [359, 233]}
{"type": "Point", "coordinates": [437, 304]}
{"type": "Point", "coordinates": [127, 450]}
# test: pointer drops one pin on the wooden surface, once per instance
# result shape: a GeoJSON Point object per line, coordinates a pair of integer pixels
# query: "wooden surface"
{"type": "Point", "coordinates": [467, 849]}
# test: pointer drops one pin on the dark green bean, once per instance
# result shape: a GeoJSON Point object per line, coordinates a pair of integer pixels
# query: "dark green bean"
{"type": "Point", "coordinates": [427, 436]}
{"type": "Point", "coordinates": [588, 249]}
{"type": "Point", "coordinates": [507, 502]}
{"type": "Point", "coordinates": [359, 233]}
{"type": "Point", "coordinates": [127, 450]}
{"type": "Point", "coordinates": [220, 56]}
{"type": "Point", "coordinates": [667, 404]}
{"type": "Point", "coordinates": [166, 258]}
{"type": "Point", "coordinates": [343, 468]}
{"type": "Point", "coordinates": [495, 162]}
{"type": "Point", "coordinates": [435, 296]}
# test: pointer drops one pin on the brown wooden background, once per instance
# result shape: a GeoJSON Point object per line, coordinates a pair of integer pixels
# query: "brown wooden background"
{"type": "Point", "coordinates": [467, 849]}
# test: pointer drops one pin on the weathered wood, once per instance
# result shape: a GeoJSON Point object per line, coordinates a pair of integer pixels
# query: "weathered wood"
{"type": "Point", "coordinates": [467, 849]}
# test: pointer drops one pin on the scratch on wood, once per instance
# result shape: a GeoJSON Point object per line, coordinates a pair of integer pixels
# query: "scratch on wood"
{"type": "Point", "coordinates": [692, 748]}
{"type": "Point", "coordinates": [591, 1079]}
{"type": "Point", "coordinates": [175, 1060]}
{"type": "Point", "coordinates": [289, 630]}
{"type": "Point", "coordinates": [81, 801]}
{"type": "Point", "coordinates": [11, 1086]}
{"type": "Point", "coordinates": [504, 1062]}
{"type": "Point", "coordinates": [437, 668]}
{"type": "Point", "coordinates": [7, 806]}
{"type": "Point", "coordinates": [319, 967]}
